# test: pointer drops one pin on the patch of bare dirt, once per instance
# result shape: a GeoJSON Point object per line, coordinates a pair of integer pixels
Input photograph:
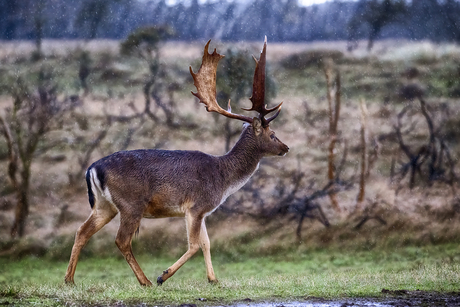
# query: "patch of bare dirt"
{"type": "Point", "coordinates": [395, 298]}
{"type": "Point", "coordinates": [389, 298]}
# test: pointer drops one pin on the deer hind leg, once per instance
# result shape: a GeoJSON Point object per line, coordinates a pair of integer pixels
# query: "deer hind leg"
{"type": "Point", "coordinates": [206, 248]}
{"type": "Point", "coordinates": [193, 235]}
{"type": "Point", "coordinates": [128, 226]}
{"type": "Point", "coordinates": [99, 217]}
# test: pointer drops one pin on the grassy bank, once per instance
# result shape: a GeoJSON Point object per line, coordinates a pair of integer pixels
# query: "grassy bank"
{"type": "Point", "coordinates": [322, 273]}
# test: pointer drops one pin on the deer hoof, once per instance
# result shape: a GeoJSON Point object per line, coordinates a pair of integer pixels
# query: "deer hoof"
{"type": "Point", "coordinates": [146, 284]}
{"type": "Point", "coordinates": [69, 282]}
{"type": "Point", "coordinates": [213, 281]}
{"type": "Point", "coordinates": [160, 279]}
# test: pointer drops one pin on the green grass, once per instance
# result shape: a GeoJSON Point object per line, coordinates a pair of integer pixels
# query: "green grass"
{"type": "Point", "coordinates": [328, 274]}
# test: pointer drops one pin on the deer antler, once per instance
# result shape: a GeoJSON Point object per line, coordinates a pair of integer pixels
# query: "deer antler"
{"type": "Point", "coordinates": [205, 83]}
{"type": "Point", "coordinates": [258, 90]}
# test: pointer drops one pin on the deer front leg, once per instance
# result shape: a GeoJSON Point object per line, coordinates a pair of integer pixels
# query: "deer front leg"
{"type": "Point", "coordinates": [193, 234]}
{"type": "Point", "coordinates": [206, 248]}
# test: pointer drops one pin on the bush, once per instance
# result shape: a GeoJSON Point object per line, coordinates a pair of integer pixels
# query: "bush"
{"type": "Point", "coordinates": [310, 58]}
{"type": "Point", "coordinates": [144, 40]}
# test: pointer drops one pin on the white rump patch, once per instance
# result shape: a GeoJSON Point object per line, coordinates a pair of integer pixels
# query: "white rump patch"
{"type": "Point", "coordinates": [98, 192]}
{"type": "Point", "coordinates": [94, 180]}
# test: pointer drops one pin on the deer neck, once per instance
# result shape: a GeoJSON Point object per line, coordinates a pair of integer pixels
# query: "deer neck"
{"type": "Point", "coordinates": [242, 160]}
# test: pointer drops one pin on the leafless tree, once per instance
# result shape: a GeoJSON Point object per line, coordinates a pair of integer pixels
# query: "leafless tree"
{"type": "Point", "coordinates": [24, 126]}
{"type": "Point", "coordinates": [145, 44]}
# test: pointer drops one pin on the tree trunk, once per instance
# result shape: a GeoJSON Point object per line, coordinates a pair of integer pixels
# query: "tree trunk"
{"type": "Point", "coordinates": [21, 212]}
{"type": "Point", "coordinates": [334, 114]}
{"type": "Point", "coordinates": [331, 171]}
{"type": "Point", "coordinates": [364, 158]}
{"type": "Point", "coordinates": [22, 206]}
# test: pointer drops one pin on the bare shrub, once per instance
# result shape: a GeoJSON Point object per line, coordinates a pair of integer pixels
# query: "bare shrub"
{"type": "Point", "coordinates": [431, 160]}
{"type": "Point", "coordinates": [310, 58]}
{"type": "Point", "coordinates": [25, 123]}
{"type": "Point", "coordinates": [145, 43]}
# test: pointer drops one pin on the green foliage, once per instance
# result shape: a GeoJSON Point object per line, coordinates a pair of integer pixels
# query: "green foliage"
{"type": "Point", "coordinates": [145, 40]}
{"type": "Point", "coordinates": [235, 76]}
{"type": "Point", "coordinates": [445, 79]}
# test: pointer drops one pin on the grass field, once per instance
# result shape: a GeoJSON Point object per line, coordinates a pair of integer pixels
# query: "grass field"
{"type": "Point", "coordinates": [298, 276]}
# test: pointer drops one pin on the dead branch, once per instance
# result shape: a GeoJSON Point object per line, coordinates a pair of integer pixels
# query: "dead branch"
{"type": "Point", "coordinates": [343, 160]}
{"type": "Point", "coordinates": [435, 154]}
{"type": "Point", "coordinates": [450, 162]}
{"type": "Point", "coordinates": [415, 159]}
{"type": "Point", "coordinates": [334, 114]}
{"type": "Point", "coordinates": [12, 154]}
{"type": "Point", "coordinates": [370, 214]}
{"type": "Point", "coordinates": [364, 157]}
{"type": "Point", "coordinates": [372, 156]}
{"type": "Point", "coordinates": [367, 218]}
{"type": "Point", "coordinates": [308, 205]}
{"type": "Point", "coordinates": [431, 150]}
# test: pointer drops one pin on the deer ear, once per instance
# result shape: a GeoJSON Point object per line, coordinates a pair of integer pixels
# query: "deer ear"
{"type": "Point", "coordinates": [257, 126]}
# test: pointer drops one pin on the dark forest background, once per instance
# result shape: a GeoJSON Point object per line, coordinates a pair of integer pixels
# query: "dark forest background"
{"type": "Point", "coordinates": [280, 20]}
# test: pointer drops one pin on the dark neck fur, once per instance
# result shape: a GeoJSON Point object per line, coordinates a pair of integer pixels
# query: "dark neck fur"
{"type": "Point", "coordinates": [242, 160]}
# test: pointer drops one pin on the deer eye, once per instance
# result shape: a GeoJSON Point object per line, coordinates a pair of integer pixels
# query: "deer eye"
{"type": "Point", "coordinates": [272, 136]}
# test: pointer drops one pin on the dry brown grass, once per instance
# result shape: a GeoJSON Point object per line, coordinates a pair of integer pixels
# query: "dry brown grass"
{"type": "Point", "coordinates": [423, 215]}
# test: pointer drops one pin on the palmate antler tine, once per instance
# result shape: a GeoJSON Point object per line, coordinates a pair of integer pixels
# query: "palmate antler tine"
{"type": "Point", "coordinates": [205, 83]}
{"type": "Point", "coordinates": [258, 89]}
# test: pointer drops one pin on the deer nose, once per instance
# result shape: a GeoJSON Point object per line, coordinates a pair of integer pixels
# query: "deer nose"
{"type": "Point", "coordinates": [284, 151]}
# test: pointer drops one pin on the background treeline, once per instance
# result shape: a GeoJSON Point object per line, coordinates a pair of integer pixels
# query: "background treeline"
{"type": "Point", "coordinates": [280, 20]}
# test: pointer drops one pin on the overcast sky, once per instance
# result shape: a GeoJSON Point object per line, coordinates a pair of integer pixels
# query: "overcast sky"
{"type": "Point", "coordinates": [310, 2]}
{"type": "Point", "coordinates": [301, 2]}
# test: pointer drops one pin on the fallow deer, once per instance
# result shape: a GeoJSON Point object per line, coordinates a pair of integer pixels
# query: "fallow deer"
{"type": "Point", "coordinates": [162, 183]}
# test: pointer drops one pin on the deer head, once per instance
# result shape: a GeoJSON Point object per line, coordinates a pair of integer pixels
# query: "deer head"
{"type": "Point", "coordinates": [205, 83]}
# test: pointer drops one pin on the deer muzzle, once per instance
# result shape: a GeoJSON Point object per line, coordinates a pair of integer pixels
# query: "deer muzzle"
{"type": "Point", "coordinates": [284, 150]}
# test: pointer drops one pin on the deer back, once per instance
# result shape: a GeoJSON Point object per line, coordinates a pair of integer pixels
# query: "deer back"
{"type": "Point", "coordinates": [156, 178]}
